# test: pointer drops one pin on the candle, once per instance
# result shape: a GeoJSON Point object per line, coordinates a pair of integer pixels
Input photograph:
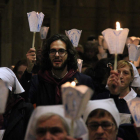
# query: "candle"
{"type": "Point", "coordinates": [75, 99]}
{"type": "Point", "coordinates": [118, 26]}
{"type": "Point", "coordinates": [35, 20]}
{"type": "Point", "coordinates": [73, 83]}
{"type": "Point", "coordinates": [74, 36]}
{"type": "Point", "coordinates": [115, 40]}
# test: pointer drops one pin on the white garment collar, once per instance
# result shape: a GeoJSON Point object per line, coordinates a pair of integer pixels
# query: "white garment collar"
{"type": "Point", "coordinates": [131, 95]}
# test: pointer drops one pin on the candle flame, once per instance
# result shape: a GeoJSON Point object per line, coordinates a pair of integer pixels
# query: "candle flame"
{"type": "Point", "coordinates": [118, 26]}
{"type": "Point", "coordinates": [37, 12]}
{"type": "Point", "coordinates": [73, 83]}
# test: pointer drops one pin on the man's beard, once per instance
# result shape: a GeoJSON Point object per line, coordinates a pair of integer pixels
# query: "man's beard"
{"type": "Point", "coordinates": [62, 67]}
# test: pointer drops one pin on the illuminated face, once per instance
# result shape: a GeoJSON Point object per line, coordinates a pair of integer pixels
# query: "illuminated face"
{"type": "Point", "coordinates": [58, 55]}
{"type": "Point", "coordinates": [107, 131]}
{"type": "Point", "coordinates": [125, 77]}
{"type": "Point", "coordinates": [20, 71]}
{"type": "Point", "coordinates": [51, 129]}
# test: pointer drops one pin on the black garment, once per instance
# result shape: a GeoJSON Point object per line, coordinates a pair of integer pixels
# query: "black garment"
{"type": "Point", "coordinates": [43, 93]}
{"type": "Point", "coordinates": [18, 121]}
{"type": "Point", "coordinates": [120, 103]}
{"type": "Point", "coordinates": [127, 132]}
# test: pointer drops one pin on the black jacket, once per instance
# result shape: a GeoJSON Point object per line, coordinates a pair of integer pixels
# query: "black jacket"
{"type": "Point", "coordinates": [18, 121]}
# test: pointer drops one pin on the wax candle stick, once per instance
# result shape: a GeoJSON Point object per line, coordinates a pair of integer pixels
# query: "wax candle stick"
{"type": "Point", "coordinates": [33, 44]}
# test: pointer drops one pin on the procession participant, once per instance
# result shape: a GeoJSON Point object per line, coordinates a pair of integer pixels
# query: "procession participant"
{"type": "Point", "coordinates": [49, 123]}
{"type": "Point", "coordinates": [17, 113]}
{"type": "Point", "coordinates": [102, 119]}
{"type": "Point", "coordinates": [58, 65]}
{"type": "Point", "coordinates": [120, 85]}
{"type": "Point", "coordinates": [19, 68]}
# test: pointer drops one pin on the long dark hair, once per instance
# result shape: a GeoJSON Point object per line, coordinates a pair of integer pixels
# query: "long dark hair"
{"type": "Point", "coordinates": [72, 54]}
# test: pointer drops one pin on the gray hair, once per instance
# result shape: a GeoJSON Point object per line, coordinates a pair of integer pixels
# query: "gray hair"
{"type": "Point", "coordinates": [47, 116]}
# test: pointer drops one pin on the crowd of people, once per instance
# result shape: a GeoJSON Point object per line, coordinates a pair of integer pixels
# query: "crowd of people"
{"type": "Point", "coordinates": [34, 108]}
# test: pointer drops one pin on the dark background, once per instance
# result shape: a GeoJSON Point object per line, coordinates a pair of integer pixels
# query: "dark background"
{"type": "Point", "coordinates": [90, 16]}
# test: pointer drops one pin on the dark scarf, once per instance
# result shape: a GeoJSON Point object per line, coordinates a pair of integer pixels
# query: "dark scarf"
{"type": "Point", "coordinates": [48, 78]}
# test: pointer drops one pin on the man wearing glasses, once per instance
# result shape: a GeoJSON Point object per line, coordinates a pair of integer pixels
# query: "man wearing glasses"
{"type": "Point", "coordinates": [58, 65]}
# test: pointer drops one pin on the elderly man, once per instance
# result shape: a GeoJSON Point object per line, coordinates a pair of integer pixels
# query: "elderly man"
{"type": "Point", "coordinates": [58, 65]}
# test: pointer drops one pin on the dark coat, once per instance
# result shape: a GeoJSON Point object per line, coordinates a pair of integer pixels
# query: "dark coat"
{"type": "Point", "coordinates": [18, 121]}
{"type": "Point", "coordinates": [43, 93]}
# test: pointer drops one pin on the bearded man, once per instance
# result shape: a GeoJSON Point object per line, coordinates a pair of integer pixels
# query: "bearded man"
{"type": "Point", "coordinates": [58, 65]}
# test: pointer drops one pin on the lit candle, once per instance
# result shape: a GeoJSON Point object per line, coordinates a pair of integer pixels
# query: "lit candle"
{"type": "Point", "coordinates": [118, 26]}
{"type": "Point", "coordinates": [115, 40]}
{"type": "Point", "coordinates": [73, 83]}
{"type": "Point", "coordinates": [75, 99]}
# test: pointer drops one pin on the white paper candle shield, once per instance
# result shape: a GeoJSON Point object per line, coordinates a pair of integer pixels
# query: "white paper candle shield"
{"type": "Point", "coordinates": [43, 32]}
{"type": "Point", "coordinates": [79, 63]}
{"type": "Point", "coordinates": [134, 52]}
{"type": "Point", "coordinates": [133, 40]}
{"type": "Point", "coordinates": [75, 99]}
{"type": "Point", "coordinates": [2, 134]}
{"type": "Point", "coordinates": [74, 36]}
{"type": "Point", "coordinates": [3, 96]}
{"type": "Point", "coordinates": [115, 40]}
{"type": "Point", "coordinates": [35, 21]}
{"type": "Point", "coordinates": [134, 107]}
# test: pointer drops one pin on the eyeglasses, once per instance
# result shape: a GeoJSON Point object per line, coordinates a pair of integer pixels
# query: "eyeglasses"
{"type": "Point", "coordinates": [105, 125]}
{"type": "Point", "coordinates": [61, 52]}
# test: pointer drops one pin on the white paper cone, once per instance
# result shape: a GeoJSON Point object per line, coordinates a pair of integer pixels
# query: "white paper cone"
{"type": "Point", "coordinates": [134, 107]}
{"type": "Point", "coordinates": [35, 21]}
{"type": "Point", "coordinates": [133, 40]}
{"type": "Point", "coordinates": [43, 32]}
{"type": "Point", "coordinates": [134, 52]}
{"type": "Point", "coordinates": [3, 96]}
{"type": "Point", "coordinates": [75, 99]}
{"type": "Point", "coordinates": [74, 36]}
{"type": "Point", "coordinates": [79, 63]}
{"type": "Point", "coordinates": [115, 40]}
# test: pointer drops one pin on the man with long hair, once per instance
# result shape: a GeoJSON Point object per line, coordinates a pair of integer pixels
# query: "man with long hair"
{"type": "Point", "coordinates": [58, 65]}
